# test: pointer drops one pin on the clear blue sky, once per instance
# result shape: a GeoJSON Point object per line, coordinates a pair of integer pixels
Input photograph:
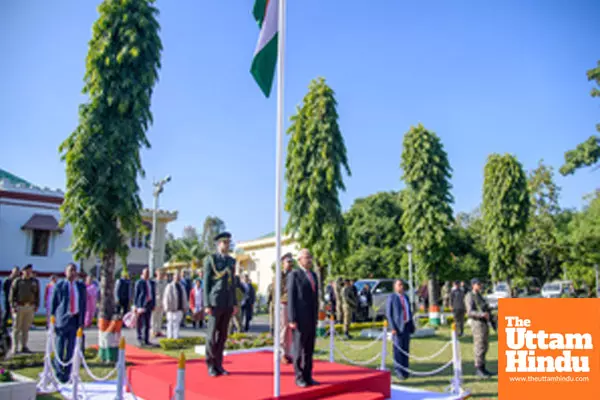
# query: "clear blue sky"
{"type": "Point", "coordinates": [504, 76]}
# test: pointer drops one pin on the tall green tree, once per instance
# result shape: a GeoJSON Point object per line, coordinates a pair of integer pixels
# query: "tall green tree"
{"type": "Point", "coordinates": [584, 242]}
{"type": "Point", "coordinates": [541, 249]}
{"type": "Point", "coordinates": [469, 258]}
{"type": "Point", "coordinates": [102, 155]}
{"type": "Point", "coordinates": [506, 206]}
{"type": "Point", "coordinates": [587, 153]}
{"type": "Point", "coordinates": [427, 201]}
{"type": "Point", "coordinates": [211, 228]}
{"type": "Point", "coordinates": [375, 238]}
{"type": "Point", "coordinates": [316, 160]}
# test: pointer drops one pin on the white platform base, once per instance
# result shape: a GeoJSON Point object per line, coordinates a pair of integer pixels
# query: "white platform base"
{"type": "Point", "coordinates": [22, 388]}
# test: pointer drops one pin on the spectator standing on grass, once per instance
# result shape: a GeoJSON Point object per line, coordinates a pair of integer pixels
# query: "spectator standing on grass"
{"type": "Point", "coordinates": [157, 315]}
{"type": "Point", "coordinates": [400, 320]}
{"type": "Point", "coordinates": [6, 289]}
{"type": "Point", "coordinates": [187, 284]}
{"type": "Point", "coordinates": [457, 303]}
{"type": "Point", "coordinates": [24, 300]}
{"type": "Point", "coordinates": [174, 304]}
{"type": "Point", "coordinates": [68, 306]}
{"type": "Point", "coordinates": [48, 291]}
{"type": "Point", "coordinates": [91, 291]}
{"type": "Point", "coordinates": [365, 301]}
{"type": "Point", "coordinates": [197, 304]}
{"type": "Point", "coordinates": [122, 293]}
{"type": "Point", "coordinates": [350, 301]}
{"type": "Point", "coordinates": [145, 299]}
{"type": "Point", "coordinates": [247, 305]}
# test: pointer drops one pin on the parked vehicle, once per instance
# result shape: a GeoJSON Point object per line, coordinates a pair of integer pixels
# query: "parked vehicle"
{"type": "Point", "coordinates": [380, 289]}
{"type": "Point", "coordinates": [501, 291]}
{"type": "Point", "coordinates": [557, 289]}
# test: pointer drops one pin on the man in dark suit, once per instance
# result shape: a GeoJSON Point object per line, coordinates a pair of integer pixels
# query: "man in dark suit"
{"type": "Point", "coordinates": [144, 301]}
{"type": "Point", "coordinates": [122, 293]}
{"type": "Point", "coordinates": [399, 316]}
{"type": "Point", "coordinates": [220, 301]}
{"type": "Point", "coordinates": [248, 302]}
{"type": "Point", "coordinates": [68, 307]}
{"type": "Point", "coordinates": [303, 312]}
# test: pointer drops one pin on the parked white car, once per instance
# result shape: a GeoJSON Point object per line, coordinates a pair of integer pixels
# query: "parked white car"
{"type": "Point", "coordinates": [501, 291]}
{"type": "Point", "coordinates": [380, 290]}
{"type": "Point", "coordinates": [556, 289]}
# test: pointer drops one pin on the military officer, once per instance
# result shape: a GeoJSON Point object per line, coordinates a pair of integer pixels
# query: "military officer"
{"type": "Point", "coordinates": [479, 313]}
{"type": "Point", "coordinates": [339, 287]}
{"type": "Point", "coordinates": [350, 301]}
{"type": "Point", "coordinates": [220, 301]}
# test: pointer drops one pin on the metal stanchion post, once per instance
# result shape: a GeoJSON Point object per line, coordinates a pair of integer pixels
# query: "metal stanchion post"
{"type": "Point", "coordinates": [46, 376]}
{"type": "Point", "coordinates": [384, 346]}
{"type": "Point", "coordinates": [76, 363]}
{"type": "Point", "coordinates": [331, 337]}
{"type": "Point", "coordinates": [456, 363]}
{"type": "Point", "coordinates": [180, 388]}
{"type": "Point", "coordinates": [121, 369]}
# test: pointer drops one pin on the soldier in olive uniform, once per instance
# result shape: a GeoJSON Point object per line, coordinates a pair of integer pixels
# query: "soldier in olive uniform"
{"type": "Point", "coordinates": [24, 300]}
{"type": "Point", "coordinates": [220, 301]}
{"type": "Point", "coordinates": [478, 312]}
{"type": "Point", "coordinates": [350, 304]}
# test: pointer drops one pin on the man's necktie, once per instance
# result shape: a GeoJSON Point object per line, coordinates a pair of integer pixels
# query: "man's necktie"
{"type": "Point", "coordinates": [72, 298]}
{"type": "Point", "coordinates": [148, 295]}
{"type": "Point", "coordinates": [404, 309]}
{"type": "Point", "coordinates": [310, 278]}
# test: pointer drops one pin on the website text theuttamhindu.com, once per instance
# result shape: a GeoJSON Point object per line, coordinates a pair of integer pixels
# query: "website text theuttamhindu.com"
{"type": "Point", "coordinates": [546, 379]}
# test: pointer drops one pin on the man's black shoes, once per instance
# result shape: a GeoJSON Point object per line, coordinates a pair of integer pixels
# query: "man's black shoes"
{"type": "Point", "coordinates": [213, 372]}
{"type": "Point", "coordinates": [301, 383]}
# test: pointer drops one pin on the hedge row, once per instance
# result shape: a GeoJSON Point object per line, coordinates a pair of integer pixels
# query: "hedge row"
{"type": "Point", "coordinates": [234, 342]}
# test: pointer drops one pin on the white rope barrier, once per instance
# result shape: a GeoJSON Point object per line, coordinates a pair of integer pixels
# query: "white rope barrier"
{"type": "Point", "coordinates": [91, 374]}
{"type": "Point", "coordinates": [424, 373]}
{"type": "Point", "coordinates": [76, 365]}
{"type": "Point", "coordinates": [367, 362]}
{"type": "Point", "coordinates": [423, 358]}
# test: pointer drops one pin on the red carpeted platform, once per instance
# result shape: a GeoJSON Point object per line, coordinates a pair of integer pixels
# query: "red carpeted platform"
{"type": "Point", "coordinates": [252, 379]}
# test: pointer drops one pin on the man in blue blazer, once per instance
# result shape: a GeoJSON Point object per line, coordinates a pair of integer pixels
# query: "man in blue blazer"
{"type": "Point", "coordinates": [400, 320]}
{"type": "Point", "coordinates": [144, 301]}
{"type": "Point", "coordinates": [68, 308]}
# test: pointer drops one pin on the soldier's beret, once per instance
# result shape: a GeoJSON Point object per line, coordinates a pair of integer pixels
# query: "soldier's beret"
{"type": "Point", "coordinates": [28, 266]}
{"type": "Point", "coordinates": [222, 235]}
{"type": "Point", "coordinates": [475, 281]}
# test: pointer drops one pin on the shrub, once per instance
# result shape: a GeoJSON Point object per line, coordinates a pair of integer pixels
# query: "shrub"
{"type": "Point", "coordinates": [183, 343]}
{"type": "Point", "coordinates": [37, 360]}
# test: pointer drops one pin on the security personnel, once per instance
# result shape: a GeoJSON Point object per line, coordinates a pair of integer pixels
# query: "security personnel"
{"type": "Point", "coordinates": [220, 301]}
{"type": "Point", "coordinates": [350, 304]}
{"type": "Point", "coordinates": [479, 313]}
{"type": "Point", "coordinates": [25, 300]}
{"type": "Point", "coordinates": [339, 287]}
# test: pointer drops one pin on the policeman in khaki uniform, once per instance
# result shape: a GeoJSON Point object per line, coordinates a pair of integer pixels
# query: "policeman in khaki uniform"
{"type": "Point", "coordinates": [350, 304]}
{"type": "Point", "coordinates": [25, 300]}
{"type": "Point", "coordinates": [479, 315]}
{"type": "Point", "coordinates": [220, 301]}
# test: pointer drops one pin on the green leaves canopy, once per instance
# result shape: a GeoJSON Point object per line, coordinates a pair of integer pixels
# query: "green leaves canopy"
{"type": "Point", "coordinates": [427, 200]}
{"type": "Point", "coordinates": [506, 205]}
{"type": "Point", "coordinates": [316, 158]}
{"type": "Point", "coordinates": [375, 237]}
{"type": "Point", "coordinates": [102, 155]}
{"type": "Point", "coordinates": [587, 153]}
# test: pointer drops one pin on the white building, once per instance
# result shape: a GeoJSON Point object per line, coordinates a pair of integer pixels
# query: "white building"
{"type": "Point", "coordinates": [29, 232]}
{"type": "Point", "coordinates": [259, 256]}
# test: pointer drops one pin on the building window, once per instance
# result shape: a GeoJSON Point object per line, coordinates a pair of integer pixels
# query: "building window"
{"type": "Point", "coordinates": [40, 243]}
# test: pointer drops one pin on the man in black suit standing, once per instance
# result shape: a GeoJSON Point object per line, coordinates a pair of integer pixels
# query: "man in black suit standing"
{"type": "Point", "coordinates": [145, 301]}
{"type": "Point", "coordinates": [303, 311]}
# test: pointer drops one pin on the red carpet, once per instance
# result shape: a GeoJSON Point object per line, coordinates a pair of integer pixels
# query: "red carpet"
{"type": "Point", "coordinates": [138, 356]}
{"type": "Point", "coordinates": [252, 379]}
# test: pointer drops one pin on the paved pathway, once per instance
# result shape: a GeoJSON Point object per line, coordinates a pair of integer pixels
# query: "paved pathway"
{"type": "Point", "coordinates": [37, 335]}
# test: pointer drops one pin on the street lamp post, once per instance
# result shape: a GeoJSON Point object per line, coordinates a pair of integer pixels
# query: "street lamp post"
{"type": "Point", "coordinates": [410, 276]}
{"type": "Point", "coordinates": [158, 189]}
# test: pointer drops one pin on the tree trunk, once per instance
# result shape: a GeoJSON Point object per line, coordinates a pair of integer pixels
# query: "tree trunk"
{"type": "Point", "coordinates": [109, 324]}
{"type": "Point", "coordinates": [434, 301]}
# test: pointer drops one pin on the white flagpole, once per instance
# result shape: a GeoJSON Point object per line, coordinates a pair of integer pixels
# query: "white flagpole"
{"type": "Point", "coordinates": [278, 194]}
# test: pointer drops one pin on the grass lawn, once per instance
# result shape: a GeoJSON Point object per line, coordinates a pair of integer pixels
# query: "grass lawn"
{"type": "Point", "coordinates": [423, 347]}
{"type": "Point", "coordinates": [480, 389]}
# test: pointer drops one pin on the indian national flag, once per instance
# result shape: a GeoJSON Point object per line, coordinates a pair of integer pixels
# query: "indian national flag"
{"type": "Point", "coordinates": [265, 55]}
